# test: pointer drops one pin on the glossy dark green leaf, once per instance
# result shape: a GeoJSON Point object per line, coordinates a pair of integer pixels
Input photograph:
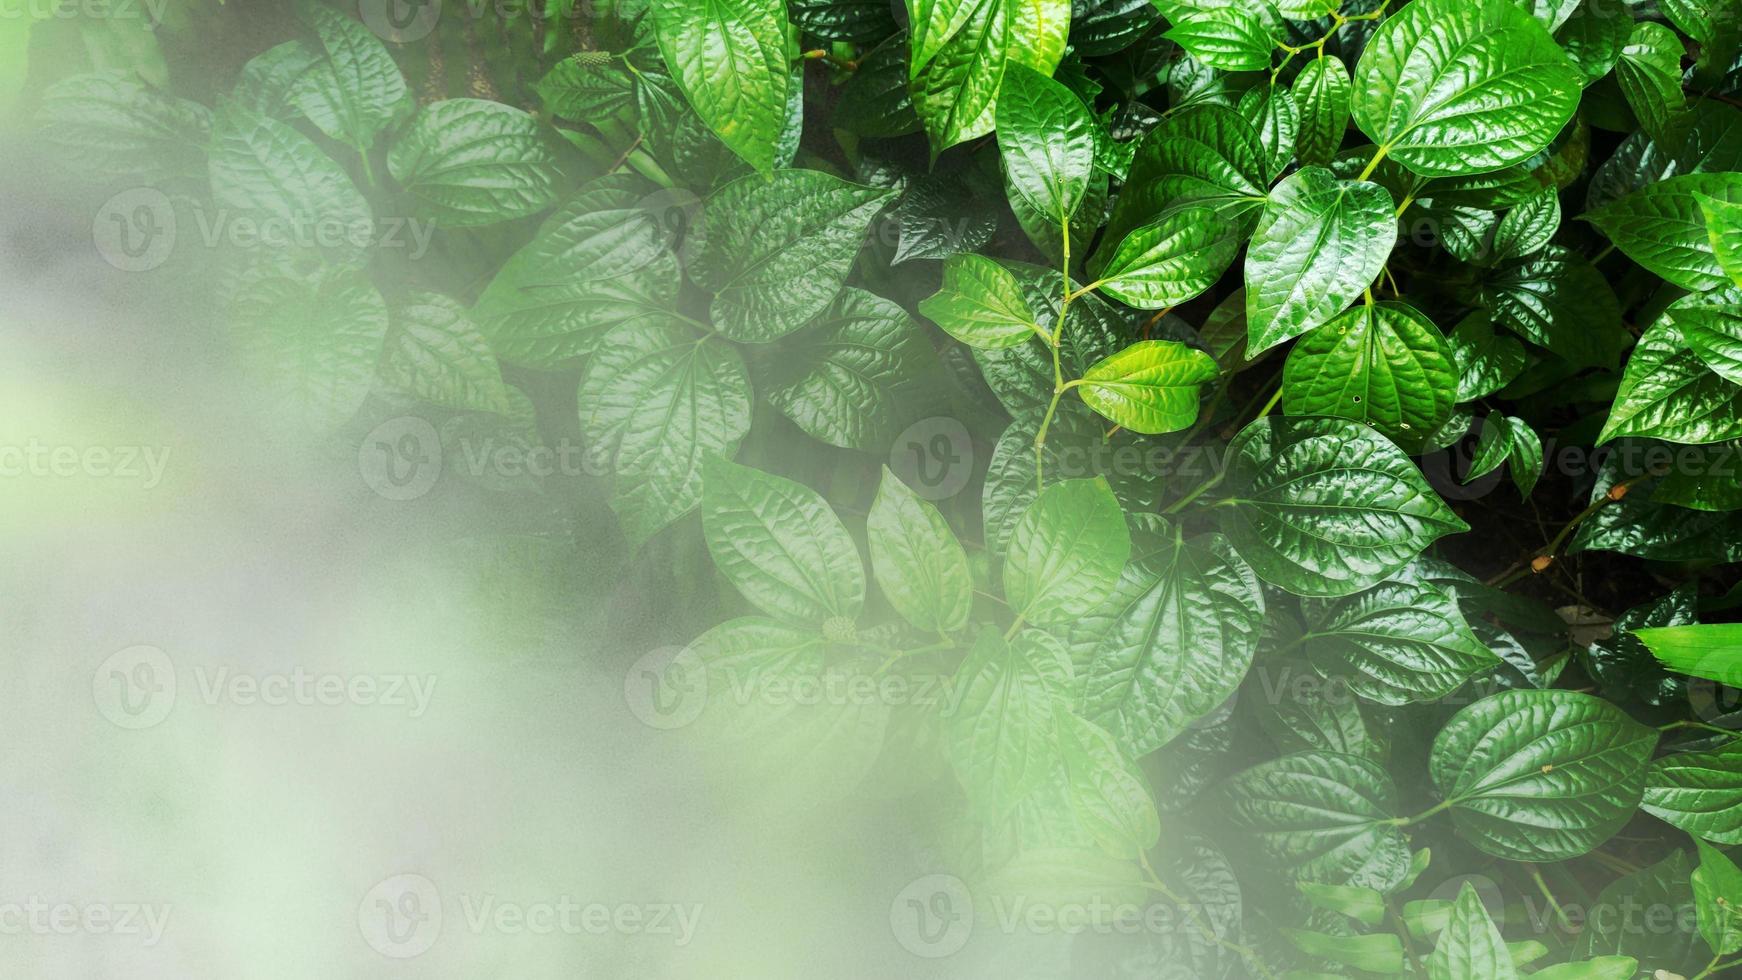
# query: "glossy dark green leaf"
{"type": "Point", "coordinates": [469, 162]}
{"type": "Point", "coordinates": [875, 101]}
{"type": "Point", "coordinates": [1486, 361]}
{"type": "Point", "coordinates": [1699, 792]}
{"type": "Point", "coordinates": [1184, 626]}
{"type": "Point", "coordinates": [1557, 299]}
{"type": "Point", "coordinates": [1395, 644]}
{"type": "Point", "coordinates": [1204, 154]}
{"type": "Point", "coordinates": [1528, 227]}
{"type": "Point", "coordinates": [1449, 87]}
{"type": "Point", "coordinates": [1047, 140]}
{"type": "Point", "coordinates": [1229, 38]}
{"type": "Point", "coordinates": [1327, 506]}
{"type": "Point", "coordinates": [958, 52]}
{"type": "Point", "coordinates": [1322, 92]}
{"type": "Point", "coordinates": [1662, 891]}
{"type": "Point", "coordinates": [654, 404]}
{"type": "Point", "coordinates": [1541, 775]}
{"type": "Point", "coordinates": [1593, 36]}
{"type": "Point", "coordinates": [1066, 552]}
{"type": "Point", "coordinates": [1650, 75]}
{"type": "Point", "coordinates": [729, 58]}
{"type": "Point", "coordinates": [843, 20]}
{"type": "Point", "coordinates": [940, 215]}
{"type": "Point", "coordinates": [1670, 392]}
{"type": "Point", "coordinates": [1386, 365]}
{"type": "Point", "coordinates": [779, 543]}
{"type": "Point", "coordinates": [1724, 228]}
{"type": "Point", "coordinates": [1276, 119]}
{"type": "Point", "coordinates": [1320, 816]}
{"type": "Point", "coordinates": [775, 251]}
{"type": "Point", "coordinates": [855, 376]}
{"type": "Point", "coordinates": [1662, 228]}
{"type": "Point", "coordinates": [1174, 258]}
{"type": "Point", "coordinates": [1493, 447]}
{"type": "Point", "coordinates": [918, 562]}
{"type": "Point", "coordinates": [1319, 243]}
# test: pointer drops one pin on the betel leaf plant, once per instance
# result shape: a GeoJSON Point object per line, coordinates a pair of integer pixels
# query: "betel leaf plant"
{"type": "Point", "coordinates": [1299, 436]}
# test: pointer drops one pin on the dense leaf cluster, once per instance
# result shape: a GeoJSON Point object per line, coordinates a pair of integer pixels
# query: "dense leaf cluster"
{"type": "Point", "coordinates": [1194, 336]}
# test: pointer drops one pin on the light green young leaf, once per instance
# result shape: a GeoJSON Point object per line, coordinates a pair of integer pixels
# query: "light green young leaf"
{"type": "Point", "coordinates": [782, 547]}
{"type": "Point", "coordinates": [1047, 139]}
{"type": "Point", "coordinates": [776, 250]}
{"type": "Point", "coordinates": [1230, 38]}
{"type": "Point", "coordinates": [855, 376]}
{"type": "Point", "coordinates": [1470, 946]}
{"type": "Point", "coordinates": [1711, 651]}
{"type": "Point", "coordinates": [465, 162]}
{"type": "Point", "coordinates": [1541, 775]}
{"type": "Point", "coordinates": [655, 402]}
{"type": "Point", "coordinates": [1364, 905]}
{"type": "Point", "coordinates": [1319, 243]}
{"type": "Point", "coordinates": [1150, 387]}
{"type": "Point", "coordinates": [1717, 886]}
{"type": "Point", "coordinates": [1724, 227]}
{"type": "Point", "coordinates": [310, 347]}
{"type": "Point", "coordinates": [1662, 227]}
{"type": "Point", "coordinates": [729, 57]}
{"type": "Point", "coordinates": [919, 564]}
{"type": "Point", "coordinates": [1185, 621]}
{"type": "Point", "coordinates": [1003, 735]}
{"type": "Point", "coordinates": [435, 352]}
{"type": "Point", "coordinates": [1066, 552]}
{"type": "Point", "coordinates": [1451, 87]}
{"type": "Point", "coordinates": [1320, 816]}
{"type": "Point", "coordinates": [1601, 968]}
{"type": "Point", "coordinates": [1386, 365]}
{"type": "Point", "coordinates": [1327, 506]}
{"type": "Point", "coordinates": [601, 260]}
{"type": "Point", "coordinates": [1398, 643]}
{"type": "Point", "coordinates": [1107, 791]}
{"type": "Point", "coordinates": [1650, 75]}
{"type": "Point", "coordinates": [1377, 952]}
{"type": "Point", "coordinates": [1699, 792]}
{"type": "Point", "coordinates": [981, 304]}
{"type": "Point", "coordinates": [1322, 91]}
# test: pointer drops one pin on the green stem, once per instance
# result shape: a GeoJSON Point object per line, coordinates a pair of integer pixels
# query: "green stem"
{"type": "Point", "coordinates": [1373, 164]}
{"type": "Point", "coordinates": [1418, 818]}
{"type": "Point", "coordinates": [1271, 404]}
{"type": "Point", "coordinates": [1698, 726]}
{"type": "Point", "coordinates": [1716, 965]}
{"type": "Point", "coordinates": [1197, 492]}
{"type": "Point", "coordinates": [1542, 886]}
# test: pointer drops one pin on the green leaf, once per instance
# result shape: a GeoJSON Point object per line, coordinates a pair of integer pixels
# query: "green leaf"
{"type": "Point", "coordinates": [1662, 892]}
{"type": "Point", "coordinates": [585, 86]}
{"type": "Point", "coordinates": [1002, 735]}
{"type": "Point", "coordinates": [1557, 299]}
{"type": "Point", "coordinates": [1593, 38]}
{"type": "Point", "coordinates": [1528, 227]}
{"type": "Point", "coordinates": [1185, 623]}
{"type": "Point", "coordinates": [1150, 387]}
{"type": "Point", "coordinates": [110, 125]}
{"type": "Point", "coordinates": [1395, 644]}
{"type": "Point", "coordinates": [1319, 243]}
{"type": "Point", "coordinates": [435, 352]}
{"type": "Point", "coordinates": [310, 347]}
{"type": "Point", "coordinates": [855, 376]}
{"type": "Point", "coordinates": [356, 89]}
{"type": "Point", "coordinates": [1076, 446]}
{"type": "Point", "coordinates": [1699, 792]}
{"type": "Point", "coordinates": [1724, 227]}
{"type": "Point", "coordinates": [875, 100]}
{"type": "Point", "coordinates": [1322, 91]}
{"type": "Point", "coordinates": [776, 250]}
{"type": "Point", "coordinates": [1202, 154]}
{"type": "Point", "coordinates": [1650, 75]}
{"type": "Point", "coordinates": [1451, 87]}
{"type": "Point", "coordinates": [958, 55]}
{"type": "Point", "coordinates": [1486, 361]}
{"type": "Point", "coordinates": [1669, 392]}
{"type": "Point", "coordinates": [275, 174]}
{"type": "Point", "coordinates": [1380, 952]}
{"type": "Point", "coordinates": [1174, 258]}
{"type": "Point", "coordinates": [981, 304]}
{"type": "Point", "coordinates": [1321, 817]}
{"type": "Point", "coordinates": [917, 560]}
{"type": "Point", "coordinates": [729, 57]}
{"type": "Point", "coordinates": [655, 403]}
{"type": "Point", "coordinates": [1327, 506]}
{"type": "Point", "coordinates": [600, 261]}
{"type": "Point", "coordinates": [1717, 884]}
{"type": "Point", "coordinates": [1493, 447]}
{"type": "Point", "coordinates": [1364, 905]}
{"type": "Point", "coordinates": [1601, 968]}
{"type": "Point", "coordinates": [1662, 228]}
{"type": "Point", "coordinates": [1276, 119]}
{"type": "Point", "coordinates": [1541, 775]}
{"type": "Point", "coordinates": [1229, 38]}
{"type": "Point", "coordinates": [1470, 946]}
{"type": "Point", "coordinates": [1047, 139]}
{"type": "Point", "coordinates": [1386, 365]}
{"type": "Point", "coordinates": [1526, 463]}
{"type": "Point", "coordinates": [1107, 791]}
{"type": "Point", "coordinates": [1710, 651]}
{"type": "Point", "coordinates": [779, 543]}
{"type": "Point", "coordinates": [465, 162]}
{"type": "Point", "coordinates": [941, 215]}
{"type": "Point", "coordinates": [1066, 553]}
